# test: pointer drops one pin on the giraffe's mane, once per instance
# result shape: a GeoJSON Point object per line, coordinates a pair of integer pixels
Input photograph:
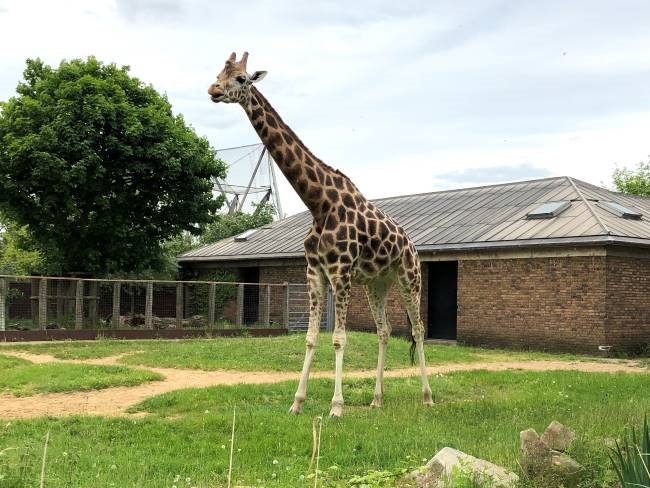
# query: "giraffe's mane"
{"type": "Point", "coordinates": [269, 108]}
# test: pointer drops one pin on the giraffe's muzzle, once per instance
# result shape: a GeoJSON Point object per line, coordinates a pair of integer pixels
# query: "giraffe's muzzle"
{"type": "Point", "coordinates": [216, 94]}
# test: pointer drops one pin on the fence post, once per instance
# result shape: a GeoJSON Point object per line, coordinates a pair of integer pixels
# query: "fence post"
{"type": "Point", "coordinates": [179, 305]}
{"type": "Point", "coordinates": [239, 317]}
{"type": "Point", "coordinates": [148, 306]}
{"type": "Point", "coordinates": [92, 304]}
{"type": "Point", "coordinates": [3, 303]}
{"type": "Point", "coordinates": [42, 303]}
{"type": "Point", "coordinates": [212, 292]}
{"type": "Point", "coordinates": [33, 300]}
{"type": "Point", "coordinates": [116, 305]}
{"type": "Point", "coordinates": [60, 301]}
{"type": "Point", "coordinates": [79, 305]}
{"type": "Point", "coordinates": [285, 312]}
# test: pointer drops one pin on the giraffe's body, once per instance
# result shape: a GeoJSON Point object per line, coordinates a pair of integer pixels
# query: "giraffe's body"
{"type": "Point", "coordinates": [350, 240]}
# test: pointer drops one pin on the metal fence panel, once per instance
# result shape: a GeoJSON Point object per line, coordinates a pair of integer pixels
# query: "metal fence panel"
{"type": "Point", "coordinates": [298, 308]}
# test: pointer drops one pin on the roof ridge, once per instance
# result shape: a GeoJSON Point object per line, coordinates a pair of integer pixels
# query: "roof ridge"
{"type": "Point", "coordinates": [478, 187]}
{"type": "Point", "coordinates": [613, 192]}
{"type": "Point", "coordinates": [588, 204]}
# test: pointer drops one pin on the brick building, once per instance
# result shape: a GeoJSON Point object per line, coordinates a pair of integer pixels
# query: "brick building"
{"type": "Point", "coordinates": [554, 263]}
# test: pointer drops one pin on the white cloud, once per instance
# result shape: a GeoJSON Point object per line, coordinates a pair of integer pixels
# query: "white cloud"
{"type": "Point", "coordinates": [395, 94]}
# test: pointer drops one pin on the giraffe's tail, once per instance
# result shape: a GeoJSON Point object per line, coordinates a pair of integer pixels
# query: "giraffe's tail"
{"type": "Point", "coordinates": [413, 343]}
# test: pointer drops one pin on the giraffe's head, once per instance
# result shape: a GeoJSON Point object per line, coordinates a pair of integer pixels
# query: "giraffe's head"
{"type": "Point", "coordinates": [233, 84]}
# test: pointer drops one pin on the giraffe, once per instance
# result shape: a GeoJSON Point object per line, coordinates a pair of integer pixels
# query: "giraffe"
{"type": "Point", "coordinates": [350, 240]}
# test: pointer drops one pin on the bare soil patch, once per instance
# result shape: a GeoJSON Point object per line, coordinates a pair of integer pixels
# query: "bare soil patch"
{"type": "Point", "coordinates": [116, 401]}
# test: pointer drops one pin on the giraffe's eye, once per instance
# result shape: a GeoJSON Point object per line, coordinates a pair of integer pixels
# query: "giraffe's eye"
{"type": "Point", "coordinates": [241, 79]}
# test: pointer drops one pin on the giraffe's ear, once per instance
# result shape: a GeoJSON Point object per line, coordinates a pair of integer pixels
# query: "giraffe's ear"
{"type": "Point", "coordinates": [257, 76]}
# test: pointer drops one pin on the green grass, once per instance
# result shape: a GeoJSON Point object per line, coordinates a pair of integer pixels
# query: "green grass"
{"type": "Point", "coordinates": [284, 353]}
{"type": "Point", "coordinates": [187, 432]}
{"type": "Point", "coordinates": [22, 378]}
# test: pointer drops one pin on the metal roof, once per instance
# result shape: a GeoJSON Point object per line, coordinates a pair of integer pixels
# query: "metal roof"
{"type": "Point", "coordinates": [471, 218]}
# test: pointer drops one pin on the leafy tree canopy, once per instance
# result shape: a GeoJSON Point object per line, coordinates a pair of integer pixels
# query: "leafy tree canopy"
{"type": "Point", "coordinates": [228, 225]}
{"type": "Point", "coordinates": [636, 182]}
{"type": "Point", "coordinates": [17, 255]}
{"type": "Point", "coordinates": [97, 168]}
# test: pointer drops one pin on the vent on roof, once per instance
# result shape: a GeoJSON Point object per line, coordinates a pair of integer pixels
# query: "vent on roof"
{"type": "Point", "coordinates": [619, 210]}
{"type": "Point", "coordinates": [548, 210]}
{"type": "Point", "coordinates": [245, 235]}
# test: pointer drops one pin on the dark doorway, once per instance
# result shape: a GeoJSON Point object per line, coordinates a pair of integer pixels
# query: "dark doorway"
{"type": "Point", "coordinates": [442, 301]}
{"type": "Point", "coordinates": [251, 294]}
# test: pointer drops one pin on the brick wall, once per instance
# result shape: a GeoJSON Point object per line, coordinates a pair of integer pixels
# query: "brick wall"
{"type": "Point", "coordinates": [279, 274]}
{"type": "Point", "coordinates": [556, 303]}
{"type": "Point", "coordinates": [294, 273]}
{"type": "Point", "coordinates": [545, 303]}
{"type": "Point", "coordinates": [628, 302]}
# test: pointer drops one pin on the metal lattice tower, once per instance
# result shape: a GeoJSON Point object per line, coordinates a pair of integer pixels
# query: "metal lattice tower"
{"type": "Point", "coordinates": [250, 179]}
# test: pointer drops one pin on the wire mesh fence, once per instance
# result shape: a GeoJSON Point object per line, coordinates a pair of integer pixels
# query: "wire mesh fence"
{"type": "Point", "coordinates": [38, 302]}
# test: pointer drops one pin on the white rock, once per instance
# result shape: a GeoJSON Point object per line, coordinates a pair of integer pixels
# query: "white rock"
{"type": "Point", "coordinates": [448, 462]}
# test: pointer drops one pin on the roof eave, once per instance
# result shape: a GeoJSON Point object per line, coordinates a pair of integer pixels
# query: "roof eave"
{"type": "Point", "coordinates": [239, 257]}
{"type": "Point", "coordinates": [463, 246]}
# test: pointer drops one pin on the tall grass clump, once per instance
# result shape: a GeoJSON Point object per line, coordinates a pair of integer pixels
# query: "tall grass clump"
{"type": "Point", "coordinates": [631, 458]}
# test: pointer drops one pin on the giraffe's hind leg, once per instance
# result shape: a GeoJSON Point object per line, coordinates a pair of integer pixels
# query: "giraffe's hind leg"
{"type": "Point", "coordinates": [410, 285]}
{"type": "Point", "coordinates": [317, 293]}
{"type": "Point", "coordinates": [341, 289]}
{"type": "Point", "coordinates": [377, 293]}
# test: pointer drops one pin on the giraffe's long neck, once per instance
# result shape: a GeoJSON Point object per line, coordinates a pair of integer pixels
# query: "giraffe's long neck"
{"type": "Point", "coordinates": [316, 183]}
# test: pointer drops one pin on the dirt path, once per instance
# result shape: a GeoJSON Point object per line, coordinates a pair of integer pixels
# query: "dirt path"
{"type": "Point", "coordinates": [115, 401]}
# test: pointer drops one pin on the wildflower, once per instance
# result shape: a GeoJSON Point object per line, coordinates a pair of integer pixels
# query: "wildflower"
{"type": "Point", "coordinates": [275, 461]}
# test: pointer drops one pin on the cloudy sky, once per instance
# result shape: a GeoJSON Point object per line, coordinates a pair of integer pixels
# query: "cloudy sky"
{"type": "Point", "coordinates": [403, 96]}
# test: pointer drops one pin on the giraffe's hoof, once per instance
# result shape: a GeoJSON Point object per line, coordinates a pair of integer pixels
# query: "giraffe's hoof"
{"type": "Point", "coordinates": [296, 408]}
{"type": "Point", "coordinates": [336, 411]}
{"type": "Point", "coordinates": [377, 401]}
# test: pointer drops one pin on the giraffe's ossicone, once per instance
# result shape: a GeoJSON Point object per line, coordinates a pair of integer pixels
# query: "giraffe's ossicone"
{"type": "Point", "coordinates": [351, 240]}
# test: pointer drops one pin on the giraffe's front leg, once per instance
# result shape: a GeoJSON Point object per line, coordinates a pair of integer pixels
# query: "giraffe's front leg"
{"type": "Point", "coordinates": [378, 398]}
{"type": "Point", "coordinates": [301, 392]}
{"type": "Point", "coordinates": [317, 293]}
{"type": "Point", "coordinates": [341, 289]}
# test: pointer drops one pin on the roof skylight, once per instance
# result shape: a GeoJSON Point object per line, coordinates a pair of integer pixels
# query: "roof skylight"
{"type": "Point", "coordinates": [620, 210]}
{"type": "Point", "coordinates": [245, 235]}
{"type": "Point", "coordinates": [548, 210]}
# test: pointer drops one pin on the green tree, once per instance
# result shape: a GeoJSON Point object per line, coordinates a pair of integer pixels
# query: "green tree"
{"type": "Point", "coordinates": [635, 182]}
{"type": "Point", "coordinates": [99, 170]}
{"type": "Point", "coordinates": [228, 225]}
{"type": "Point", "coordinates": [17, 255]}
